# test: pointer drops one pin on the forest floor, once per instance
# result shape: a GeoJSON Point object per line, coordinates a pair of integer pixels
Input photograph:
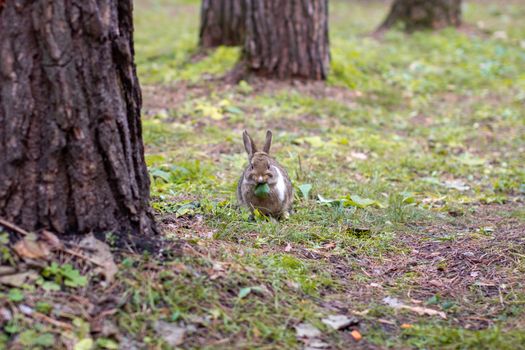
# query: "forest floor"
{"type": "Point", "coordinates": [409, 220]}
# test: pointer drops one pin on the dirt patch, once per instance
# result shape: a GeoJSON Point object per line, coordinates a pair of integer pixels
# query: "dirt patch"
{"type": "Point", "coordinates": [315, 89]}
{"type": "Point", "coordinates": [474, 262]}
{"type": "Point", "coordinates": [161, 97]}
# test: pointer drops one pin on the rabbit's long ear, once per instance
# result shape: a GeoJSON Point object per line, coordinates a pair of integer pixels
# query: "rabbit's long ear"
{"type": "Point", "coordinates": [249, 146]}
{"type": "Point", "coordinates": [268, 142]}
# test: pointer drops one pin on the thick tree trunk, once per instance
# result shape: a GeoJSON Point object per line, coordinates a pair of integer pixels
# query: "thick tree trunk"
{"type": "Point", "coordinates": [222, 23]}
{"type": "Point", "coordinates": [71, 152]}
{"type": "Point", "coordinates": [287, 39]}
{"type": "Point", "coordinates": [424, 14]}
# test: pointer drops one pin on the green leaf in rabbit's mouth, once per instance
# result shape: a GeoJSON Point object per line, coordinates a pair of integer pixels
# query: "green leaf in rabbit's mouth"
{"type": "Point", "coordinates": [262, 190]}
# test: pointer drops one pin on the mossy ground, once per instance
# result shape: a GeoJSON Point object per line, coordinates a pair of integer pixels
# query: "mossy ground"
{"type": "Point", "coordinates": [427, 130]}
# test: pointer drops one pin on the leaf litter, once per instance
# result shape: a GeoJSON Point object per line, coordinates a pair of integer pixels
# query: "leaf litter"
{"type": "Point", "coordinates": [396, 304]}
{"type": "Point", "coordinates": [307, 330]}
{"type": "Point", "coordinates": [339, 322]}
{"type": "Point", "coordinates": [171, 333]}
{"type": "Point", "coordinates": [63, 269]}
{"type": "Point", "coordinates": [100, 253]}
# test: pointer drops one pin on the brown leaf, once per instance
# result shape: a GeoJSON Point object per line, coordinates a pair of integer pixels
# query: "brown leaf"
{"type": "Point", "coordinates": [7, 270]}
{"type": "Point", "coordinates": [396, 304]}
{"type": "Point", "coordinates": [19, 279]}
{"type": "Point", "coordinates": [28, 247]}
{"type": "Point", "coordinates": [100, 254]}
{"type": "Point", "coordinates": [51, 239]}
{"type": "Point", "coordinates": [329, 246]}
{"type": "Point", "coordinates": [172, 334]}
{"type": "Point", "coordinates": [218, 270]}
{"type": "Point", "coordinates": [178, 267]}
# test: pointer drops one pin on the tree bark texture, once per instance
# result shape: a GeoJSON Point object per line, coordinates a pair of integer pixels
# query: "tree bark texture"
{"type": "Point", "coordinates": [424, 14]}
{"type": "Point", "coordinates": [71, 151]}
{"type": "Point", "coordinates": [287, 39]}
{"type": "Point", "coordinates": [222, 23]}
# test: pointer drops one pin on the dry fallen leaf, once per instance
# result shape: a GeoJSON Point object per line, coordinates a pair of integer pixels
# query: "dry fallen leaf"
{"type": "Point", "coordinates": [19, 279]}
{"type": "Point", "coordinates": [361, 313]}
{"type": "Point", "coordinates": [218, 270]}
{"type": "Point", "coordinates": [329, 246]}
{"type": "Point", "coordinates": [356, 335]}
{"type": "Point", "coordinates": [306, 330]}
{"type": "Point", "coordinates": [100, 254]}
{"type": "Point", "coordinates": [406, 325]}
{"type": "Point", "coordinates": [172, 334]}
{"type": "Point", "coordinates": [396, 304]}
{"type": "Point", "coordinates": [178, 267]}
{"type": "Point", "coordinates": [339, 321]}
{"type": "Point", "coordinates": [51, 239]}
{"type": "Point", "coordinates": [5, 315]}
{"type": "Point", "coordinates": [315, 344]}
{"type": "Point", "coordinates": [28, 247]}
{"type": "Point", "coordinates": [7, 270]}
{"type": "Point", "coordinates": [382, 320]}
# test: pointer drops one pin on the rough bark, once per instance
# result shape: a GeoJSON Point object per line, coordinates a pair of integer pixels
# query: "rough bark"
{"type": "Point", "coordinates": [222, 23]}
{"type": "Point", "coordinates": [424, 14]}
{"type": "Point", "coordinates": [287, 39]}
{"type": "Point", "coordinates": [71, 151]}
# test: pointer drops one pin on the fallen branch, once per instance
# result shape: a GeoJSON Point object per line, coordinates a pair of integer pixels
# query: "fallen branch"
{"type": "Point", "coordinates": [10, 226]}
{"type": "Point", "coordinates": [81, 256]}
{"type": "Point", "coordinates": [42, 317]}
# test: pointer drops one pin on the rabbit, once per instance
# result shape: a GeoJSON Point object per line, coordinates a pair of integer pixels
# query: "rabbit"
{"type": "Point", "coordinates": [263, 169]}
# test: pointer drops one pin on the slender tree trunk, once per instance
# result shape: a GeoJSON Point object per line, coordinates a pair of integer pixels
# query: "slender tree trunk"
{"type": "Point", "coordinates": [222, 23]}
{"type": "Point", "coordinates": [71, 151]}
{"type": "Point", "coordinates": [424, 14]}
{"type": "Point", "coordinates": [287, 39]}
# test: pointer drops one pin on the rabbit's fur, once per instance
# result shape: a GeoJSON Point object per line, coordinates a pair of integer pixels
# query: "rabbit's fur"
{"type": "Point", "coordinates": [264, 169]}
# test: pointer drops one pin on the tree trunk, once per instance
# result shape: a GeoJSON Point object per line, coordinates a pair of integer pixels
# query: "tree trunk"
{"type": "Point", "coordinates": [222, 23]}
{"type": "Point", "coordinates": [424, 14]}
{"type": "Point", "coordinates": [287, 39]}
{"type": "Point", "coordinates": [71, 151]}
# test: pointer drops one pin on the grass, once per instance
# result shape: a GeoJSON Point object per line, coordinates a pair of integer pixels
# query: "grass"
{"type": "Point", "coordinates": [416, 147]}
{"type": "Point", "coordinates": [428, 127]}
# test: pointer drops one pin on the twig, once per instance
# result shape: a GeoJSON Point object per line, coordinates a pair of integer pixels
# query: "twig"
{"type": "Point", "coordinates": [13, 227]}
{"type": "Point", "coordinates": [501, 297]}
{"type": "Point", "coordinates": [78, 246]}
{"type": "Point", "coordinates": [382, 320]}
{"type": "Point", "coordinates": [54, 322]}
{"type": "Point", "coordinates": [81, 256]}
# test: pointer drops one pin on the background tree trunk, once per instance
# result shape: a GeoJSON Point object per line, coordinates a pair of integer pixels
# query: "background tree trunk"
{"type": "Point", "coordinates": [287, 39]}
{"type": "Point", "coordinates": [222, 23]}
{"type": "Point", "coordinates": [71, 151]}
{"type": "Point", "coordinates": [424, 14]}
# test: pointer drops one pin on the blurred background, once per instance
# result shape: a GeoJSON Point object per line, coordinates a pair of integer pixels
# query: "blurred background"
{"type": "Point", "coordinates": [397, 111]}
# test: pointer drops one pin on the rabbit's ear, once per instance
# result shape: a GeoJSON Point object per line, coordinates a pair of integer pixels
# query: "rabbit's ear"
{"type": "Point", "coordinates": [268, 142]}
{"type": "Point", "coordinates": [249, 146]}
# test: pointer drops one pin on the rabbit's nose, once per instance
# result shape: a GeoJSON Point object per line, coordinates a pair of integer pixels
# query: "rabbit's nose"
{"type": "Point", "coordinates": [260, 180]}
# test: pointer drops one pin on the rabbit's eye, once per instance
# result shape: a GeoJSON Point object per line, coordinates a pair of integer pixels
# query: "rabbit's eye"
{"type": "Point", "coordinates": [251, 166]}
{"type": "Point", "coordinates": [268, 166]}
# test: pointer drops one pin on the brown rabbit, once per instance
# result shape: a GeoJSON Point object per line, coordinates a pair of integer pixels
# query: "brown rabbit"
{"type": "Point", "coordinates": [263, 169]}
